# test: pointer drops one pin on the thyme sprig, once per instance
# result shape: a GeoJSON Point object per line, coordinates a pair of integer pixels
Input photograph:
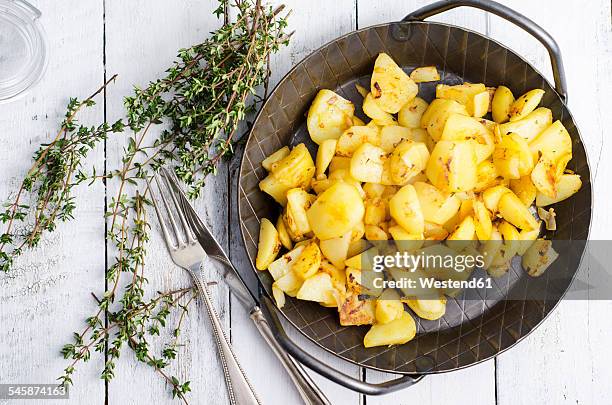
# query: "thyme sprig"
{"type": "Point", "coordinates": [56, 170]}
{"type": "Point", "coordinates": [199, 105]}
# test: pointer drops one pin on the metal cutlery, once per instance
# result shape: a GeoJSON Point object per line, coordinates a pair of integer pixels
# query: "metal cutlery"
{"type": "Point", "coordinates": [187, 253]}
{"type": "Point", "coordinates": [310, 393]}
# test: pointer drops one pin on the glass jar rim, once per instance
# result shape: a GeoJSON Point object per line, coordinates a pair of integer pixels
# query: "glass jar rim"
{"type": "Point", "coordinates": [23, 19]}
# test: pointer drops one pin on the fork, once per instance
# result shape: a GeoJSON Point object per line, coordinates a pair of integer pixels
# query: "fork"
{"type": "Point", "coordinates": [186, 252]}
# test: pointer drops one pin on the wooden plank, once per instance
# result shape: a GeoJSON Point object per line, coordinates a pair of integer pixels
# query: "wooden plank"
{"type": "Point", "coordinates": [142, 38]}
{"type": "Point", "coordinates": [561, 362]}
{"type": "Point", "coordinates": [55, 279]}
{"type": "Point", "coordinates": [315, 23]}
{"type": "Point", "coordinates": [456, 387]}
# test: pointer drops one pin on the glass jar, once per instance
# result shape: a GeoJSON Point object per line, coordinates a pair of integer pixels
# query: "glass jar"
{"type": "Point", "coordinates": [23, 52]}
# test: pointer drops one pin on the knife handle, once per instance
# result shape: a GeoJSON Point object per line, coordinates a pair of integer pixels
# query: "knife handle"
{"type": "Point", "coordinates": [309, 391]}
{"type": "Point", "coordinates": [239, 388]}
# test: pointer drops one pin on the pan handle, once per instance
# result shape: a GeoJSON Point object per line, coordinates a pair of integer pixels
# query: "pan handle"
{"type": "Point", "coordinates": [327, 371]}
{"type": "Point", "coordinates": [510, 15]}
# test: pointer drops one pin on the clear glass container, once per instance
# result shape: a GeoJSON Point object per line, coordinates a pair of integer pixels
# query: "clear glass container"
{"type": "Point", "coordinates": [23, 52]}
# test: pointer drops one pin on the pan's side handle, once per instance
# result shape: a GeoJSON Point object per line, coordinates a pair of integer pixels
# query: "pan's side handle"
{"type": "Point", "coordinates": [327, 371]}
{"type": "Point", "coordinates": [508, 14]}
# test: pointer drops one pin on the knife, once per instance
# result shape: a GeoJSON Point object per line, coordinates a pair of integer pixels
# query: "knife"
{"type": "Point", "coordinates": [308, 390]}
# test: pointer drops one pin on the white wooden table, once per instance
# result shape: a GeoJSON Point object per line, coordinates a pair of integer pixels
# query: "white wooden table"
{"type": "Point", "coordinates": [47, 297]}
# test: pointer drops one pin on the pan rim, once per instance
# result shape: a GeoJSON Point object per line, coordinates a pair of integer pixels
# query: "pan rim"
{"type": "Point", "coordinates": [240, 174]}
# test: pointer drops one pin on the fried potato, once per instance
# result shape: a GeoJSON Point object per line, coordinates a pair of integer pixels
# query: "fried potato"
{"type": "Point", "coordinates": [336, 249]}
{"type": "Point", "coordinates": [295, 169]}
{"type": "Point", "coordinates": [282, 265]}
{"type": "Point", "coordinates": [482, 221]}
{"type": "Point", "coordinates": [325, 154]}
{"type": "Point", "coordinates": [452, 166]}
{"type": "Point", "coordinates": [337, 210]}
{"type": "Point", "coordinates": [512, 157]}
{"type": "Point", "coordinates": [396, 332]}
{"type": "Point", "coordinates": [462, 93]}
{"type": "Point", "coordinates": [354, 137]}
{"type": "Point", "coordinates": [393, 135]}
{"type": "Point", "coordinates": [269, 245]}
{"type": "Point", "coordinates": [524, 189]}
{"type": "Point", "coordinates": [434, 118]}
{"type": "Point", "coordinates": [552, 143]}
{"type": "Point", "coordinates": [279, 297]}
{"type": "Point", "coordinates": [353, 311]}
{"type": "Point", "coordinates": [431, 309]}
{"type": "Point", "coordinates": [407, 160]}
{"type": "Point", "coordinates": [486, 176]}
{"type": "Point", "coordinates": [425, 74]}
{"type": "Point", "coordinates": [273, 187]}
{"type": "Point", "coordinates": [388, 307]}
{"type": "Point", "coordinates": [406, 210]}
{"type": "Point", "coordinates": [275, 157]}
{"type": "Point", "coordinates": [462, 128]}
{"type": "Point", "coordinates": [308, 262]}
{"type": "Point", "coordinates": [525, 104]}
{"type": "Point", "coordinates": [567, 186]}
{"type": "Point", "coordinates": [329, 116]}
{"type": "Point", "coordinates": [391, 87]}
{"type": "Point", "coordinates": [530, 126]}
{"type": "Point", "coordinates": [410, 114]}
{"type": "Point", "coordinates": [500, 106]}
{"type": "Point", "coordinates": [283, 235]}
{"type": "Point", "coordinates": [492, 195]}
{"type": "Point", "coordinates": [539, 257]}
{"type": "Point", "coordinates": [317, 288]}
{"type": "Point", "coordinates": [378, 115]}
{"type": "Point", "coordinates": [367, 163]}
{"type": "Point", "coordinates": [512, 209]}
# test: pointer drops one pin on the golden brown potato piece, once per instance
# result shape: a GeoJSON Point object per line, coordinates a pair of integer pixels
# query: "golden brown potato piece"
{"type": "Point", "coordinates": [524, 189]}
{"type": "Point", "coordinates": [530, 126]}
{"type": "Point", "coordinates": [325, 154]}
{"type": "Point", "coordinates": [336, 212]}
{"type": "Point", "coordinates": [296, 169]}
{"type": "Point", "coordinates": [525, 104]}
{"type": "Point", "coordinates": [452, 166]}
{"type": "Point", "coordinates": [500, 106]}
{"type": "Point", "coordinates": [539, 257]}
{"type": "Point", "coordinates": [336, 249]}
{"type": "Point", "coordinates": [388, 307]}
{"type": "Point", "coordinates": [283, 235]}
{"type": "Point", "coordinates": [434, 118]}
{"type": "Point", "coordinates": [275, 157]}
{"type": "Point", "coordinates": [329, 115]}
{"type": "Point", "coordinates": [552, 143]}
{"type": "Point", "coordinates": [391, 87]}
{"type": "Point", "coordinates": [269, 245]}
{"type": "Point", "coordinates": [378, 115]}
{"type": "Point", "coordinates": [430, 309]}
{"type": "Point", "coordinates": [317, 288]}
{"type": "Point", "coordinates": [397, 332]}
{"type": "Point", "coordinates": [425, 74]}
{"type": "Point", "coordinates": [354, 137]}
{"type": "Point", "coordinates": [367, 163]}
{"type": "Point", "coordinates": [407, 160]}
{"type": "Point", "coordinates": [567, 186]}
{"type": "Point", "coordinates": [308, 262]}
{"type": "Point", "coordinates": [492, 195]}
{"type": "Point", "coordinates": [512, 209]}
{"type": "Point", "coordinates": [406, 210]}
{"type": "Point", "coordinates": [486, 175]}
{"type": "Point", "coordinates": [356, 312]}
{"type": "Point", "coordinates": [410, 114]}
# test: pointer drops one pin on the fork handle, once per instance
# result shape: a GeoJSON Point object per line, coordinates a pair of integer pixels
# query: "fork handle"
{"type": "Point", "coordinates": [239, 388]}
{"type": "Point", "coordinates": [310, 393]}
